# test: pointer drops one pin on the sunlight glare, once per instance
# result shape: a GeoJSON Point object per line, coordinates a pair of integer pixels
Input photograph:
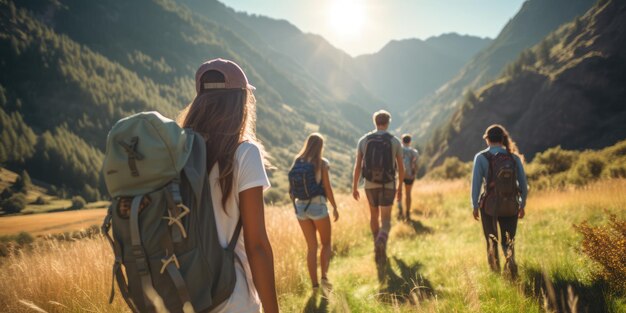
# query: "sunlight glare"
{"type": "Point", "coordinates": [347, 17]}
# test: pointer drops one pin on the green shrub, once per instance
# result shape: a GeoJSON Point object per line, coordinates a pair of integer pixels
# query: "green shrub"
{"type": "Point", "coordinates": [555, 160]}
{"type": "Point", "coordinates": [19, 185]}
{"type": "Point", "coordinates": [78, 203]}
{"type": "Point", "coordinates": [275, 196]}
{"type": "Point", "coordinates": [15, 204]}
{"type": "Point", "coordinates": [588, 168]}
{"type": "Point", "coordinates": [24, 238]}
{"type": "Point", "coordinates": [452, 168]}
{"type": "Point", "coordinates": [6, 194]}
{"type": "Point", "coordinates": [41, 201]}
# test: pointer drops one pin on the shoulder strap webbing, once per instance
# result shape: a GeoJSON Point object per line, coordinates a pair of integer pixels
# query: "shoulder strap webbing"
{"type": "Point", "coordinates": [489, 177]}
{"type": "Point", "coordinates": [117, 274]}
{"type": "Point", "coordinates": [233, 240]}
{"type": "Point", "coordinates": [171, 265]}
{"type": "Point", "coordinates": [151, 297]}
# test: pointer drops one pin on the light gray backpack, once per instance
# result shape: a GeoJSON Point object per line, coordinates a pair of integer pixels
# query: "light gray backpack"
{"type": "Point", "coordinates": [163, 227]}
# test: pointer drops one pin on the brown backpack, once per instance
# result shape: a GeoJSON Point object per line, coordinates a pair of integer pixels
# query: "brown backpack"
{"type": "Point", "coordinates": [501, 195]}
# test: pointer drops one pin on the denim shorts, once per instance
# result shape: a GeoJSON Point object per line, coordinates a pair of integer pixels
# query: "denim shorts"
{"type": "Point", "coordinates": [315, 211]}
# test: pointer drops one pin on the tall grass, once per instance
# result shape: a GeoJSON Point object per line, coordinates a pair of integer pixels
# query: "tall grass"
{"type": "Point", "coordinates": [289, 246]}
{"type": "Point", "coordinates": [437, 262]}
{"type": "Point", "coordinates": [59, 276]}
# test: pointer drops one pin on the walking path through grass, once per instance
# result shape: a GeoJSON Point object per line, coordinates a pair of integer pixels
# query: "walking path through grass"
{"type": "Point", "coordinates": [437, 262]}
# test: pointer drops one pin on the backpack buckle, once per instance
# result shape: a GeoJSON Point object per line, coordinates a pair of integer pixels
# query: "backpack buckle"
{"type": "Point", "coordinates": [140, 260]}
{"type": "Point", "coordinates": [176, 220]}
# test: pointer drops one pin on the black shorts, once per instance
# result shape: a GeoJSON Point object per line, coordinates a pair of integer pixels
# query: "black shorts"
{"type": "Point", "coordinates": [409, 181]}
{"type": "Point", "coordinates": [380, 196]}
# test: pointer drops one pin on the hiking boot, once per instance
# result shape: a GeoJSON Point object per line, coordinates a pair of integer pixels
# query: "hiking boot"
{"type": "Point", "coordinates": [327, 287]}
{"type": "Point", "coordinates": [510, 266]}
{"type": "Point", "coordinates": [377, 252]}
{"type": "Point", "coordinates": [315, 289]}
{"type": "Point", "coordinates": [510, 269]}
{"type": "Point", "coordinates": [494, 263]}
{"type": "Point", "coordinates": [381, 248]}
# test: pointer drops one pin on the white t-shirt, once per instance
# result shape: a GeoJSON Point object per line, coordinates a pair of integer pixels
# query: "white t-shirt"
{"type": "Point", "coordinates": [249, 172]}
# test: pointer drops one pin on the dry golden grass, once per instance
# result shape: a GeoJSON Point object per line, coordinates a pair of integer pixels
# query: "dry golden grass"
{"type": "Point", "coordinates": [75, 276]}
{"type": "Point", "coordinates": [59, 277]}
{"type": "Point", "coordinates": [290, 248]}
{"type": "Point", "coordinates": [51, 223]}
{"type": "Point", "coordinates": [604, 194]}
{"type": "Point", "coordinates": [62, 277]}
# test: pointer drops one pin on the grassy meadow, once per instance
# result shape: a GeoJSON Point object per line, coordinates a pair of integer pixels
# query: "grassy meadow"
{"type": "Point", "coordinates": [437, 262]}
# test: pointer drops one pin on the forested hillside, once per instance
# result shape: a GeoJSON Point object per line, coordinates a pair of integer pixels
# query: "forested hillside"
{"type": "Point", "coordinates": [535, 20]}
{"type": "Point", "coordinates": [70, 69]}
{"type": "Point", "coordinates": [568, 90]}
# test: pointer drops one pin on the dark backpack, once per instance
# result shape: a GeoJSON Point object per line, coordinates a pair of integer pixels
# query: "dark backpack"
{"type": "Point", "coordinates": [501, 196]}
{"type": "Point", "coordinates": [378, 160]}
{"type": "Point", "coordinates": [302, 182]}
{"type": "Point", "coordinates": [167, 252]}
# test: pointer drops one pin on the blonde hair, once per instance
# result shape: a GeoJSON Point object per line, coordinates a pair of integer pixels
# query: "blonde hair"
{"type": "Point", "coordinates": [381, 117]}
{"type": "Point", "coordinates": [312, 150]}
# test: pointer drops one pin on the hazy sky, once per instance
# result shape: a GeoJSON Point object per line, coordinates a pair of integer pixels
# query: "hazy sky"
{"type": "Point", "coordinates": [365, 26]}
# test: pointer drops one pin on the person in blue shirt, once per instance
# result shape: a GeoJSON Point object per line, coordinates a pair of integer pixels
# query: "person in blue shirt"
{"type": "Point", "coordinates": [498, 141]}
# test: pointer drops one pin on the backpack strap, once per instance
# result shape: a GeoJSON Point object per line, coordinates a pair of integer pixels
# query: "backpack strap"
{"type": "Point", "coordinates": [171, 266]}
{"type": "Point", "coordinates": [141, 260]}
{"type": "Point", "coordinates": [233, 240]}
{"type": "Point", "coordinates": [117, 274]}
{"type": "Point", "coordinates": [489, 178]}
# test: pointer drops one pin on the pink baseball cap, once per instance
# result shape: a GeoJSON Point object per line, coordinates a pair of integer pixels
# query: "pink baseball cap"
{"type": "Point", "coordinates": [234, 77]}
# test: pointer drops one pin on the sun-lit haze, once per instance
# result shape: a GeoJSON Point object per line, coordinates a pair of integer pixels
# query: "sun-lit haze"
{"type": "Point", "coordinates": [347, 17]}
{"type": "Point", "coordinates": [365, 26]}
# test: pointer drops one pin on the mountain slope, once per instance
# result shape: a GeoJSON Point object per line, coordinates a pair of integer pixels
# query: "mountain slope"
{"type": "Point", "coordinates": [535, 20]}
{"type": "Point", "coordinates": [69, 69]}
{"type": "Point", "coordinates": [346, 78]}
{"type": "Point", "coordinates": [296, 52]}
{"type": "Point", "coordinates": [568, 90]}
{"type": "Point", "coordinates": [406, 70]}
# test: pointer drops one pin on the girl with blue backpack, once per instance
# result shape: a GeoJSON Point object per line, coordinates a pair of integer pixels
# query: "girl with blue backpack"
{"type": "Point", "coordinates": [310, 189]}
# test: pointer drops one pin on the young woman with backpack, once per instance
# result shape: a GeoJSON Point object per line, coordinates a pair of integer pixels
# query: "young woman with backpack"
{"type": "Point", "coordinates": [224, 113]}
{"type": "Point", "coordinates": [310, 188]}
{"type": "Point", "coordinates": [500, 172]}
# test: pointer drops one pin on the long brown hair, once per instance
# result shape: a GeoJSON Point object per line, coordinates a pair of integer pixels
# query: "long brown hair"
{"type": "Point", "coordinates": [312, 150]}
{"type": "Point", "coordinates": [496, 133]}
{"type": "Point", "coordinates": [225, 118]}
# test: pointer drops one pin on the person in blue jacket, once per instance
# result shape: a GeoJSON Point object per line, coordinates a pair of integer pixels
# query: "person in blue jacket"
{"type": "Point", "coordinates": [498, 141]}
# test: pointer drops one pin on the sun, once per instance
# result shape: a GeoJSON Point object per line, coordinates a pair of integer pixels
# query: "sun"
{"type": "Point", "coordinates": [347, 17]}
